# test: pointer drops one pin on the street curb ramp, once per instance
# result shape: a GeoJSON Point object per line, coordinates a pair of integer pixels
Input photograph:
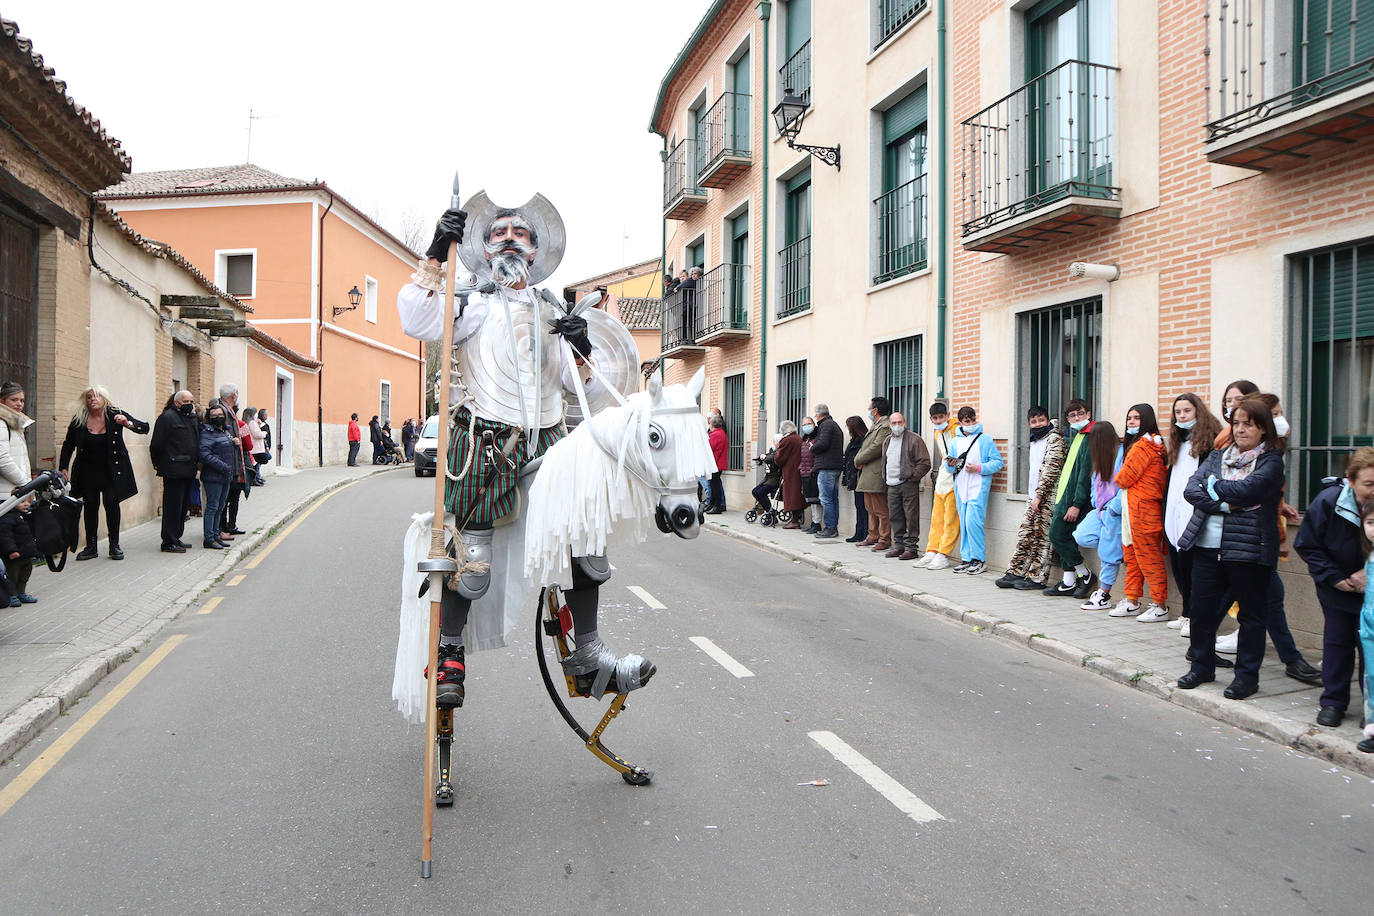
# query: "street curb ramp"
{"type": "Point", "coordinates": [62, 693]}
{"type": "Point", "coordinates": [1300, 736]}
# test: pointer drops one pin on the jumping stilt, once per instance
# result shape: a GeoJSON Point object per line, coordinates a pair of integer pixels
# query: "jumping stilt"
{"type": "Point", "coordinates": [443, 793]}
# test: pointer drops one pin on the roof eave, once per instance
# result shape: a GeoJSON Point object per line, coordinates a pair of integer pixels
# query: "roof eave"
{"type": "Point", "coordinates": [679, 63]}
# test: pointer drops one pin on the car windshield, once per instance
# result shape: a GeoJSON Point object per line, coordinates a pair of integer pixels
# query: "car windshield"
{"type": "Point", "coordinates": [431, 430]}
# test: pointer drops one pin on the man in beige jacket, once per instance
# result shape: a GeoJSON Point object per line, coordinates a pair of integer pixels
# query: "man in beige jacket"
{"type": "Point", "coordinates": [870, 462]}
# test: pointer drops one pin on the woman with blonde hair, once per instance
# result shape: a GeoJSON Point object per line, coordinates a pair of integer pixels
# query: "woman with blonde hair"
{"type": "Point", "coordinates": [101, 472]}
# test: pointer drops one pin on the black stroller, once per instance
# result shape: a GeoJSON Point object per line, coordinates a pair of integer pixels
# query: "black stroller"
{"type": "Point", "coordinates": [54, 518]}
{"type": "Point", "coordinates": [770, 513]}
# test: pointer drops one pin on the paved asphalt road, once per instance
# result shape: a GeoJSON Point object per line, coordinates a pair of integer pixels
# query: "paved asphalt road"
{"type": "Point", "coordinates": [261, 767]}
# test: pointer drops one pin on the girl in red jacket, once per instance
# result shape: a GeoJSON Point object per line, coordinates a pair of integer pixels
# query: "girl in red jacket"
{"type": "Point", "coordinates": [1144, 476]}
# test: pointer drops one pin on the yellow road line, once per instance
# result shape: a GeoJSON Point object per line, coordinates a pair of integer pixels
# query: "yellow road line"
{"type": "Point", "coordinates": [236, 580]}
{"type": "Point", "coordinates": [50, 758]}
{"type": "Point", "coordinates": [211, 605]}
{"type": "Point", "coordinates": [262, 555]}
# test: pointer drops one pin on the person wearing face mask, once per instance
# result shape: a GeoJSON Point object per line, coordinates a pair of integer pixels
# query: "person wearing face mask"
{"type": "Point", "coordinates": [943, 538]}
{"type": "Point", "coordinates": [1030, 564]}
{"type": "Point", "coordinates": [906, 463]}
{"type": "Point", "coordinates": [810, 491]}
{"type": "Point", "coordinates": [1144, 478]}
{"type": "Point", "coordinates": [175, 451]}
{"type": "Point", "coordinates": [788, 456]}
{"type": "Point", "coordinates": [872, 483]}
{"type": "Point", "coordinates": [975, 461]}
{"type": "Point", "coordinates": [1072, 500]}
{"type": "Point", "coordinates": [1191, 434]}
{"type": "Point", "coordinates": [219, 462]}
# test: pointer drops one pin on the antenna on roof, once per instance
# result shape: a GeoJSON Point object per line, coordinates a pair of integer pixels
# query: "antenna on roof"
{"type": "Point", "coordinates": [248, 156]}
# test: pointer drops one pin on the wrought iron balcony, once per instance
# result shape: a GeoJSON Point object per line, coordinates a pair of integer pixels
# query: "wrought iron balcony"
{"type": "Point", "coordinates": [795, 261]}
{"type": "Point", "coordinates": [717, 308]}
{"type": "Point", "coordinates": [723, 141]}
{"type": "Point", "coordinates": [1039, 161]}
{"type": "Point", "coordinates": [903, 231]}
{"type": "Point", "coordinates": [796, 72]}
{"type": "Point", "coordinates": [893, 14]}
{"type": "Point", "coordinates": [1287, 80]}
{"type": "Point", "coordinates": [682, 197]}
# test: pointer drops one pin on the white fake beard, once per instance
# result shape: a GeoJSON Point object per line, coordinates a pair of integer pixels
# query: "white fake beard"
{"type": "Point", "coordinates": [510, 270]}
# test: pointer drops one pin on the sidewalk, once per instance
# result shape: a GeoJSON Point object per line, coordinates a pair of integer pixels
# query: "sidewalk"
{"type": "Point", "coordinates": [1145, 656]}
{"type": "Point", "coordinates": [91, 617]}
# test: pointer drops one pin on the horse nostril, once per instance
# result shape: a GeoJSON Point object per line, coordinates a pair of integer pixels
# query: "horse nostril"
{"type": "Point", "coordinates": [683, 516]}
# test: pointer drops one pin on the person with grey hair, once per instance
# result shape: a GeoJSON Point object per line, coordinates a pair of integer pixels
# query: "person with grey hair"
{"type": "Point", "coordinates": [720, 451]}
{"type": "Point", "coordinates": [788, 455]}
{"type": "Point", "coordinates": [827, 451]}
{"type": "Point", "coordinates": [688, 288]}
{"type": "Point", "coordinates": [175, 451]}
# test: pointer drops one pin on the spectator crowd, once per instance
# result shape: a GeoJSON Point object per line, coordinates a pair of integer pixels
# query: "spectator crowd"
{"type": "Point", "coordinates": [1204, 498]}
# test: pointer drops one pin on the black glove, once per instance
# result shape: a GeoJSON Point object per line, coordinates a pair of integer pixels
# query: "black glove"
{"type": "Point", "coordinates": [448, 229]}
{"type": "Point", "coordinates": [574, 330]}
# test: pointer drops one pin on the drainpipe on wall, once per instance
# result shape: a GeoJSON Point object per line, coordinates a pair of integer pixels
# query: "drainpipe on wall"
{"type": "Point", "coordinates": [319, 348]}
{"type": "Point", "coordinates": [765, 9]}
{"type": "Point", "coordinates": [662, 271]}
{"type": "Point", "coordinates": [942, 246]}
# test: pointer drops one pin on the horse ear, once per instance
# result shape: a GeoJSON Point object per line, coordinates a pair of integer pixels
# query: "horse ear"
{"type": "Point", "coordinates": [697, 383]}
{"type": "Point", "coordinates": [655, 389]}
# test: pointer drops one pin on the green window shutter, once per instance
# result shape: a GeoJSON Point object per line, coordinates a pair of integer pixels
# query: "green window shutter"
{"type": "Point", "coordinates": [741, 74]}
{"type": "Point", "coordinates": [1325, 55]}
{"type": "Point", "coordinates": [1342, 294]}
{"type": "Point", "coordinates": [695, 255]}
{"type": "Point", "coordinates": [904, 117]}
{"type": "Point", "coordinates": [798, 25]}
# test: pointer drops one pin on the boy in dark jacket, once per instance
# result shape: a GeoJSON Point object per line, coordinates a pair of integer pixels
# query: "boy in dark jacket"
{"type": "Point", "coordinates": [1329, 543]}
{"type": "Point", "coordinates": [1073, 500]}
{"type": "Point", "coordinates": [17, 549]}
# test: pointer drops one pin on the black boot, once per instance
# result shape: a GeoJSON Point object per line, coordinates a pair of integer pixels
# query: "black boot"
{"type": "Point", "coordinates": [90, 553]}
{"type": "Point", "coordinates": [115, 552]}
{"type": "Point", "coordinates": [452, 672]}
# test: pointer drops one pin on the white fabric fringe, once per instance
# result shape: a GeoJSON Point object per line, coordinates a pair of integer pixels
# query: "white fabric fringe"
{"type": "Point", "coordinates": [408, 686]}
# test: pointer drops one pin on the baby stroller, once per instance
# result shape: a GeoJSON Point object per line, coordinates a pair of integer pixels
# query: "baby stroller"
{"type": "Point", "coordinates": [771, 513]}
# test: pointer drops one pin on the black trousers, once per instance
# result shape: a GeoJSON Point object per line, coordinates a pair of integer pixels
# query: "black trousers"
{"type": "Point", "coordinates": [1340, 646]}
{"type": "Point", "coordinates": [353, 453]}
{"type": "Point", "coordinates": [860, 516]}
{"type": "Point", "coordinates": [93, 499]}
{"type": "Point", "coordinates": [230, 519]}
{"type": "Point", "coordinates": [1249, 583]}
{"type": "Point", "coordinates": [717, 491]}
{"type": "Point", "coordinates": [175, 496]}
{"type": "Point", "coordinates": [1181, 561]}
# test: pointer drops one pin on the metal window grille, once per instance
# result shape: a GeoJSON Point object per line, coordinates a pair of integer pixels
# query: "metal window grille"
{"type": "Point", "coordinates": [893, 14]}
{"type": "Point", "coordinates": [898, 368]}
{"type": "Point", "coordinates": [384, 408]}
{"type": "Point", "coordinates": [723, 130]}
{"type": "Point", "coordinates": [1331, 362]}
{"type": "Point", "coordinates": [734, 420]}
{"type": "Point", "coordinates": [792, 391]}
{"type": "Point", "coordinates": [1058, 357]}
{"type": "Point", "coordinates": [19, 312]}
{"type": "Point", "coordinates": [680, 173]}
{"type": "Point", "coordinates": [796, 72]}
{"type": "Point", "coordinates": [903, 231]}
{"type": "Point", "coordinates": [796, 278]}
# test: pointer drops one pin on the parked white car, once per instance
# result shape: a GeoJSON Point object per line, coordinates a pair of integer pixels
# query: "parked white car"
{"type": "Point", "coordinates": [427, 448]}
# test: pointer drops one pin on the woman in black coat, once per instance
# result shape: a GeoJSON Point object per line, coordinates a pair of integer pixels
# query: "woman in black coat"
{"type": "Point", "coordinates": [850, 477]}
{"type": "Point", "coordinates": [101, 471]}
{"type": "Point", "coordinates": [1234, 537]}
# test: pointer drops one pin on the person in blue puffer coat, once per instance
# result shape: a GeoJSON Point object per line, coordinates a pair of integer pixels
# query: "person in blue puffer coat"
{"type": "Point", "coordinates": [220, 458]}
{"type": "Point", "coordinates": [974, 462]}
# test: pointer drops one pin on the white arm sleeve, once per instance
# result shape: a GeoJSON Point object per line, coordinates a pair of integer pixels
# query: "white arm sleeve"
{"type": "Point", "coordinates": [422, 313]}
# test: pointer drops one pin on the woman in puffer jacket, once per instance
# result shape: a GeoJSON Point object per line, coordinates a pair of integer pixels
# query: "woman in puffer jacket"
{"type": "Point", "coordinates": [1144, 476]}
{"type": "Point", "coordinates": [1233, 535]}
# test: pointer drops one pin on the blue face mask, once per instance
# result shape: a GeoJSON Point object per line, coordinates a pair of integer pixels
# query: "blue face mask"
{"type": "Point", "coordinates": [1133, 430]}
{"type": "Point", "coordinates": [1078, 426]}
{"type": "Point", "coordinates": [808, 429]}
{"type": "Point", "coordinates": [1185, 424]}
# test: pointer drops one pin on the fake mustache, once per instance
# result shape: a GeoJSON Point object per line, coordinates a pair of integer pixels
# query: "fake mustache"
{"type": "Point", "coordinates": [510, 246]}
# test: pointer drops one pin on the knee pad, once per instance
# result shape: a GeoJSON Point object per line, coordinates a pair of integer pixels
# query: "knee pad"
{"type": "Point", "coordinates": [590, 570]}
{"type": "Point", "coordinates": [474, 563]}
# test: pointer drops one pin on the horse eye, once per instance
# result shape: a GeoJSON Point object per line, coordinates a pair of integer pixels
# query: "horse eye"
{"type": "Point", "coordinates": [656, 437]}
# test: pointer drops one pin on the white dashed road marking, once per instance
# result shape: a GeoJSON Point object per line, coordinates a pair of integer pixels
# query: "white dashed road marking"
{"type": "Point", "coordinates": [721, 657]}
{"type": "Point", "coordinates": [869, 772]}
{"type": "Point", "coordinates": [647, 598]}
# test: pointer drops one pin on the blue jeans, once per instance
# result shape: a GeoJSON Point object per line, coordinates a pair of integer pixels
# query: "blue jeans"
{"type": "Point", "coordinates": [828, 483]}
{"type": "Point", "coordinates": [216, 494]}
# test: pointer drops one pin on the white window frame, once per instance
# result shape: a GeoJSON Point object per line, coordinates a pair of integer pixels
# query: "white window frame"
{"type": "Point", "coordinates": [384, 386]}
{"type": "Point", "coordinates": [370, 299]}
{"type": "Point", "coordinates": [222, 256]}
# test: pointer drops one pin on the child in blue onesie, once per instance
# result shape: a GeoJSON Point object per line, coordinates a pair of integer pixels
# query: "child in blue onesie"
{"type": "Point", "coordinates": [974, 462]}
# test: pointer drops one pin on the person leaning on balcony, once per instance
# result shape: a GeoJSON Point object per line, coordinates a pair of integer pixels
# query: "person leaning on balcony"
{"type": "Point", "coordinates": [857, 430]}
{"type": "Point", "coordinates": [827, 454]}
{"type": "Point", "coordinates": [869, 461]}
{"type": "Point", "coordinates": [1329, 543]}
{"type": "Point", "coordinates": [688, 288]}
{"type": "Point", "coordinates": [102, 472]}
{"type": "Point", "coordinates": [1235, 495]}
{"type": "Point", "coordinates": [788, 457]}
{"type": "Point", "coordinates": [943, 538]}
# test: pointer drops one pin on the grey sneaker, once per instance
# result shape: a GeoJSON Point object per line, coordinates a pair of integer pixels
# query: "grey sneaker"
{"type": "Point", "coordinates": [974, 568]}
{"type": "Point", "coordinates": [827, 534]}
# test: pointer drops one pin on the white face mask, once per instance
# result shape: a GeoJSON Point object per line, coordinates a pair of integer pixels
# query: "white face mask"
{"type": "Point", "coordinates": [1133, 430]}
{"type": "Point", "coordinates": [1281, 427]}
{"type": "Point", "coordinates": [969, 429]}
{"type": "Point", "coordinates": [898, 430]}
{"type": "Point", "coordinates": [1185, 424]}
{"type": "Point", "coordinates": [1078, 425]}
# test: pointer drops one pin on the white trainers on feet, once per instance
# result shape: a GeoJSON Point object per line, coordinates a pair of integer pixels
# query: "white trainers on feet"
{"type": "Point", "coordinates": [1124, 608]}
{"type": "Point", "coordinates": [940, 562]}
{"type": "Point", "coordinates": [1099, 601]}
{"type": "Point", "coordinates": [1226, 645]}
{"type": "Point", "coordinates": [975, 568]}
{"type": "Point", "coordinates": [925, 560]}
{"type": "Point", "coordinates": [1154, 614]}
{"type": "Point", "coordinates": [1177, 623]}
{"type": "Point", "coordinates": [1187, 629]}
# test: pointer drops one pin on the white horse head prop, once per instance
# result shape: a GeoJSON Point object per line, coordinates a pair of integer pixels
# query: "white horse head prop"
{"type": "Point", "coordinates": [625, 465]}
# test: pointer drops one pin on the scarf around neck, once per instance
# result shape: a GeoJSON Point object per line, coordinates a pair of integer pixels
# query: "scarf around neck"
{"type": "Point", "coordinates": [1237, 465]}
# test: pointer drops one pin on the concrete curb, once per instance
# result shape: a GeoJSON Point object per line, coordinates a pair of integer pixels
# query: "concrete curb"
{"type": "Point", "coordinates": [62, 693]}
{"type": "Point", "coordinates": [1298, 735]}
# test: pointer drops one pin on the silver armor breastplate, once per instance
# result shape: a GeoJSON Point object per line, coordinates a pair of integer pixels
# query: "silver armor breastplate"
{"type": "Point", "coordinates": [513, 385]}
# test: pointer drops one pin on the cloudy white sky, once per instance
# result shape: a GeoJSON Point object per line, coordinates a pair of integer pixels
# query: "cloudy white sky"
{"type": "Point", "coordinates": [386, 100]}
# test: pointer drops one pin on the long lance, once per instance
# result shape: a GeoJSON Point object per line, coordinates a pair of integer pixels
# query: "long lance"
{"type": "Point", "coordinates": [438, 565]}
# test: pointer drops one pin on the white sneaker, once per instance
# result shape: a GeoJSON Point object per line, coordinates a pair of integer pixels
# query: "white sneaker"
{"type": "Point", "coordinates": [1124, 608]}
{"type": "Point", "coordinates": [975, 568]}
{"type": "Point", "coordinates": [1226, 645]}
{"type": "Point", "coordinates": [1187, 629]}
{"type": "Point", "coordinates": [940, 562]}
{"type": "Point", "coordinates": [924, 562]}
{"type": "Point", "coordinates": [1177, 623]}
{"type": "Point", "coordinates": [1154, 614]}
{"type": "Point", "coordinates": [1099, 601]}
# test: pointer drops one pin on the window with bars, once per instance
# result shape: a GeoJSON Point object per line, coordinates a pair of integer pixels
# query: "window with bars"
{"type": "Point", "coordinates": [1058, 357]}
{"type": "Point", "coordinates": [792, 391]}
{"type": "Point", "coordinates": [1331, 363]}
{"type": "Point", "coordinates": [734, 420]}
{"type": "Point", "coordinates": [897, 370]}
{"type": "Point", "coordinates": [795, 281]}
{"type": "Point", "coordinates": [900, 211]}
{"type": "Point", "coordinates": [893, 14]}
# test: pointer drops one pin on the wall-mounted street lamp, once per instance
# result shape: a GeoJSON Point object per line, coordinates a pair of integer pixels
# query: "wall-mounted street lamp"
{"type": "Point", "coordinates": [354, 297]}
{"type": "Point", "coordinates": [788, 115]}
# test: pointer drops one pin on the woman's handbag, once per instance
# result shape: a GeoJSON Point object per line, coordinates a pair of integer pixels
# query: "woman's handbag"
{"type": "Point", "coordinates": [56, 527]}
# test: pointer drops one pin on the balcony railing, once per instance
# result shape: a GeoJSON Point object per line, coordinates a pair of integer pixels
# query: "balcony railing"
{"type": "Point", "coordinates": [1265, 58]}
{"type": "Point", "coordinates": [680, 179]}
{"type": "Point", "coordinates": [795, 295]}
{"type": "Point", "coordinates": [903, 231]}
{"type": "Point", "coordinates": [717, 307]}
{"type": "Point", "coordinates": [1049, 140]}
{"type": "Point", "coordinates": [796, 72]}
{"type": "Point", "coordinates": [893, 14]}
{"type": "Point", "coordinates": [723, 140]}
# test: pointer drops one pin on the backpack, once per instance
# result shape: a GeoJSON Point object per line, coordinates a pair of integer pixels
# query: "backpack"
{"type": "Point", "coordinates": [56, 527]}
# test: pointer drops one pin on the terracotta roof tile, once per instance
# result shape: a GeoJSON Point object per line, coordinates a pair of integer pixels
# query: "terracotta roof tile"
{"type": "Point", "coordinates": [641, 314]}
{"type": "Point", "coordinates": [212, 180]}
